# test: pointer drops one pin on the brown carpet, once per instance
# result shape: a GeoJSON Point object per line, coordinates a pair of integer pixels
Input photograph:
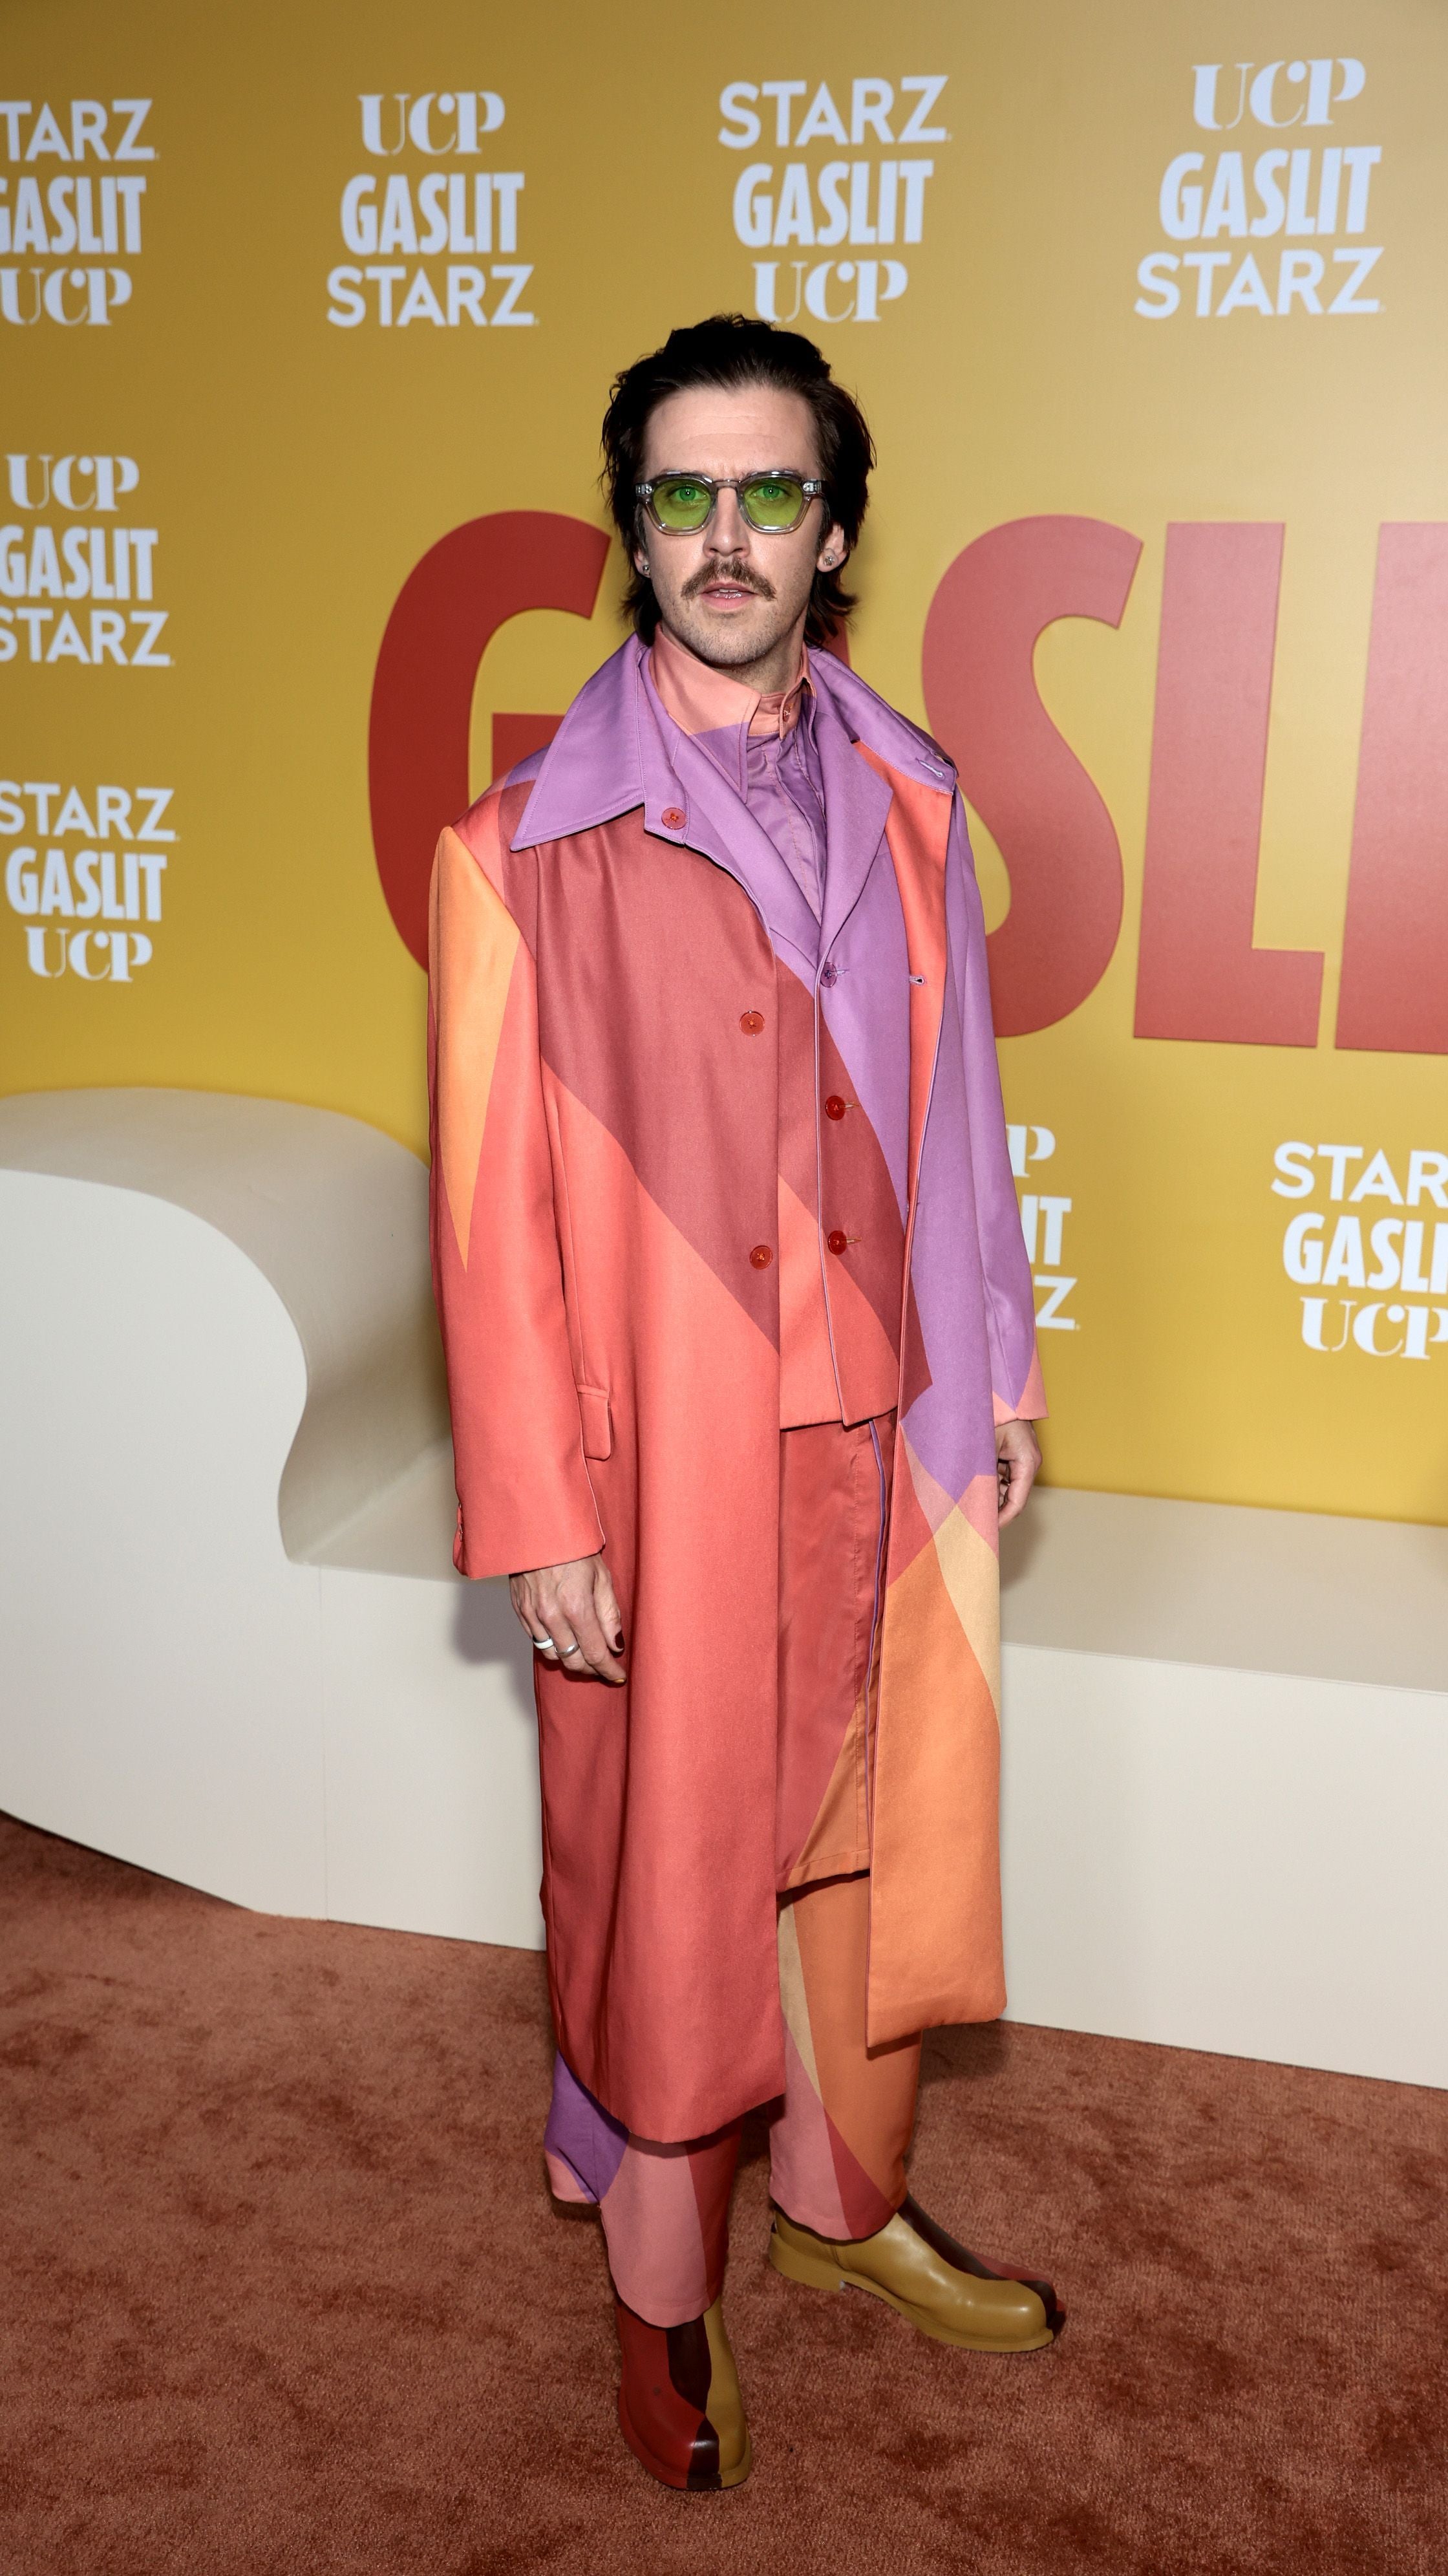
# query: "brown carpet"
{"type": "Point", "coordinates": [284, 2295]}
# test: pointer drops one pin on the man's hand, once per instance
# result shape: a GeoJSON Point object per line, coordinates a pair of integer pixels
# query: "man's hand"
{"type": "Point", "coordinates": [1018, 1456]}
{"type": "Point", "coordinates": [574, 1607]}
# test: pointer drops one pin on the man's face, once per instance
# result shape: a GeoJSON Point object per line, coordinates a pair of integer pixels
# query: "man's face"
{"type": "Point", "coordinates": [731, 594]}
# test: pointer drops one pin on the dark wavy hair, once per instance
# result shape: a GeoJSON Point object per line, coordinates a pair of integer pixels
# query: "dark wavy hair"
{"type": "Point", "coordinates": [730, 350]}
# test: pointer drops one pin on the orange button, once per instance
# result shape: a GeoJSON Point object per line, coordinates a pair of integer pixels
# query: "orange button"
{"type": "Point", "coordinates": [837, 1241]}
{"type": "Point", "coordinates": [672, 818]}
{"type": "Point", "coordinates": [834, 1106]}
{"type": "Point", "coordinates": [761, 1256]}
{"type": "Point", "coordinates": [751, 1022]}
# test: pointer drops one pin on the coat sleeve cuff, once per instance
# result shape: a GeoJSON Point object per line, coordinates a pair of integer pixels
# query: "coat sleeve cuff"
{"type": "Point", "coordinates": [481, 1552]}
{"type": "Point", "coordinates": [1030, 1404]}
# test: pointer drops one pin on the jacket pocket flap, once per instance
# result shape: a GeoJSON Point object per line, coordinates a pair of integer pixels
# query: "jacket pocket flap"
{"type": "Point", "coordinates": [597, 1422]}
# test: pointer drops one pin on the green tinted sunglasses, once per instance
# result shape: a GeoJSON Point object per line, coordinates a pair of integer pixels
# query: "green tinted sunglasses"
{"type": "Point", "coordinates": [681, 504]}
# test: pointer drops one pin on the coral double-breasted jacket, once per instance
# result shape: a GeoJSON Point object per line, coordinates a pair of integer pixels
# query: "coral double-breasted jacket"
{"type": "Point", "coordinates": [606, 1170]}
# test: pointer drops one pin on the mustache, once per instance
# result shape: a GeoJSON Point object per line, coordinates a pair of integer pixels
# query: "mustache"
{"type": "Point", "coordinates": [742, 574]}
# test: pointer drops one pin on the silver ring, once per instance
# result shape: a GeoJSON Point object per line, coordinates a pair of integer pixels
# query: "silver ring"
{"type": "Point", "coordinates": [574, 1649]}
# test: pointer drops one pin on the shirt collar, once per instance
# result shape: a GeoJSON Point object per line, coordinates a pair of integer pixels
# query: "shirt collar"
{"type": "Point", "coordinates": [701, 699]}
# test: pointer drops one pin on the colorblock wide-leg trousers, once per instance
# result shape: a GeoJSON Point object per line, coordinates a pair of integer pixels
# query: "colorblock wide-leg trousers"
{"type": "Point", "coordinates": [839, 2134]}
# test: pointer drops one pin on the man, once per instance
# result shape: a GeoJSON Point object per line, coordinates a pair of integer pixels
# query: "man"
{"type": "Point", "coordinates": [740, 1342]}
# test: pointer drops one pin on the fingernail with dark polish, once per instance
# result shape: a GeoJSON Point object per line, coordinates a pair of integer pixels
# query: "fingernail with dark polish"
{"type": "Point", "coordinates": [618, 1643]}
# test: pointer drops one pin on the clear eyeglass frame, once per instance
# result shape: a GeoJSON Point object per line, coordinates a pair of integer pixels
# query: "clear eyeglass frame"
{"type": "Point", "coordinates": [811, 488]}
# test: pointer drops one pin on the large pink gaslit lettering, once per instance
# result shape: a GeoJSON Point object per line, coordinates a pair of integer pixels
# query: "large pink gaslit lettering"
{"type": "Point", "coordinates": [1394, 991]}
{"type": "Point", "coordinates": [1055, 834]}
{"type": "Point", "coordinates": [1198, 974]}
{"type": "Point", "coordinates": [445, 616]}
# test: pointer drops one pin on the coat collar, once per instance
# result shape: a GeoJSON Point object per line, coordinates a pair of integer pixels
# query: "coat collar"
{"type": "Point", "coordinates": [597, 765]}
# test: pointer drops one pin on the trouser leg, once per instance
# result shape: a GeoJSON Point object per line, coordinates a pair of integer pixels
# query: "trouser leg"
{"type": "Point", "coordinates": [666, 2220]}
{"type": "Point", "coordinates": [837, 2152]}
{"type": "Point", "coordinates": [665, 2209]}
{"type": "Point", "coordinates": [838, 2146]}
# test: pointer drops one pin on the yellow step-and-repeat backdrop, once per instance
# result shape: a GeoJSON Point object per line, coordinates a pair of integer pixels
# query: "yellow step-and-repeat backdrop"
{"type": "Point", "coordinates": [307, 319]}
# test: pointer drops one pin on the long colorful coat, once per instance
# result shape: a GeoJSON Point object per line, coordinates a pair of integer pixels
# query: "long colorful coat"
{"type": "Point", "coordinates": [605, 1161]}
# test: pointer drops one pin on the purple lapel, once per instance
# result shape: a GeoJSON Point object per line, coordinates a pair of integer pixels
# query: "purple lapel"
{"type": "Point", "coordinates": [857, 800]}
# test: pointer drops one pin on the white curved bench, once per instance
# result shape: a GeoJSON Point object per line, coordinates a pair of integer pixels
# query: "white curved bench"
{"type": "Point", "coordinates": [235, 1648]}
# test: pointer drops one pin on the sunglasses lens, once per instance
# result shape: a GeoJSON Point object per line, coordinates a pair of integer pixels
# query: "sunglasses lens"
{"type": "Point", "coordinates": [681, 502]}
{"type": "Point", "coordinates": [774, 501]}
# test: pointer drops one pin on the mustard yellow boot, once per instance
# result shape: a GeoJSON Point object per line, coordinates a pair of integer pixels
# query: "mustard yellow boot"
{"type": "Point", "coordinates": [950, 2294]}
